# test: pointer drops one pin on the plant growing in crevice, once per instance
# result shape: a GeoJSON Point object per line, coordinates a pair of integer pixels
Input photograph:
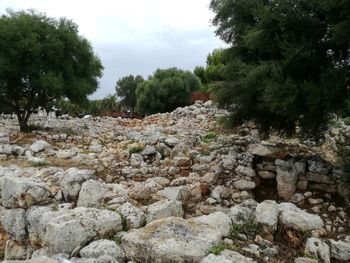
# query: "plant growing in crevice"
{"type": "Point", "coordinates": [136, 149]}
{"type": "Point", "coordinates": [249, 228]}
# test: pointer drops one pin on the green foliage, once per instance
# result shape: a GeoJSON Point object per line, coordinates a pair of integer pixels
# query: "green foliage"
{"type": "Point", "coordinates": [39, 164]}
{"type": "Point", "coordinates": [136, 149]}
{"type": "Point", "coordinates": [217, 249]}
{"type": "Point", "coordinates": [126, 90]}
{"type": "Point", "coordinates": [110, 104]}
{"type": "Point", "coordinates": [166, 90]}
{"type": "Point", "coordinates": [250, 229]}
{"type": "Point", "coordinates": [70, 108]}
{"type": "Point", "coordinates": [41, 60]}
{"type": "Point", "coordinates": [124, 222]}
{"type": "Point", "coordinates": [209, 137]}
{"type": "Point", "coordinates": [288, 64]}
{"type": "Point", "coordinates": [213, 73]}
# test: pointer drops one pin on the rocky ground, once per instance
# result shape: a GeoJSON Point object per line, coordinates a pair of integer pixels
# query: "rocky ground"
{"type": "Point", "coordinates": [169, 188]}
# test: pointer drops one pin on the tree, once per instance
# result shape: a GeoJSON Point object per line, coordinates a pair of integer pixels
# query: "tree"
{"type": "Point", "coordinates": [166, 90]}
{"type": "Point", "coordinates": [214, 70]}
{"type": "Point", "coordinates": [126, 89]}
{"type": "Point", "coordinates": [288, 61]}
{"type": "Point", "coordinates": [41, 60]}
{"type": "Point", "coordinates": [110, 104]}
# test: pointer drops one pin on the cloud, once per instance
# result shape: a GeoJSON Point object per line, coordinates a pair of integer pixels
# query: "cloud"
{"type": "Point", "coordinates": [136, 36]}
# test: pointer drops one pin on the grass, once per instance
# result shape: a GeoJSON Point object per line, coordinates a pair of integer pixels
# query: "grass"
{"type": "Point", "coordinates": [39, 164]}
{"type": "Point", "coordinates": [218, 248]}
{"type": "Point", "coordinates": [124, 222]}
{"type": "Point", "coordinates": [116, 239]}
{"type": "Point", "coordinates": [209, 137]}
{"type": "Point", "coordinates": [68, 131]}
{"type": "Point", "coordinates": [334, 124]}
{"type": "Point", "coordinates": [136, 149]}
{"type": "Point", "coordinates": [250, 229]}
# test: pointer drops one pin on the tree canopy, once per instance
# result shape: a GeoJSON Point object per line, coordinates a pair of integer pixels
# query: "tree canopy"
{"type": "Point", "coordinates": [288, 61]}
{"type": "Point", "coordinates": [214, 70]}
{"type": "Point", "coordinates": [43, 59]}
{"type": "Point", "coordinates": [126, 90]}
{"type": "Point", "coordinates": [166, 90]}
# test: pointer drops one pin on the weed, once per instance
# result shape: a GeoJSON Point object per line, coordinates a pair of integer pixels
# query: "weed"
{"type": "Point", "coordinates": [124, 222]}
{"type": "Point", "coordinates": [250, 229]}
{"type": "Point", "coordinates": [39, 164]}
{"type": "Point", "coordinates": [334, 124]}
{"type": "Point", "coordinates": [217, 249]}
{"type": "Point", "coordinates": [209, 137]}
{"type": "Point", "coordinates": [116, 239]}
{"type": "Point", "coordinates": [136, 149]}
{"type": "Point", "coordinates": [69, 131]}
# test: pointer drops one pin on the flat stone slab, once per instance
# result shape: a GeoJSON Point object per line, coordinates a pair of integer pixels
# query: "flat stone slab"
{"type": "Point", "coordinates": [175, 239]}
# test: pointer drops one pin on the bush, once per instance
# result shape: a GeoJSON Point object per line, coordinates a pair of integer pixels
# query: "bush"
{"type": "Point", "coordinates": [166, 90]}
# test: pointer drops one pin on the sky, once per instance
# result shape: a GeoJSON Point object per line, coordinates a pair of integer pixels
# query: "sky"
{"type": "Point", "coordinates": [136, 36]}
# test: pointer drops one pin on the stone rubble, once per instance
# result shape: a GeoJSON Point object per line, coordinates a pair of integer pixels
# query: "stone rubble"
{"type": "Point", "coordinates": [173, 187]}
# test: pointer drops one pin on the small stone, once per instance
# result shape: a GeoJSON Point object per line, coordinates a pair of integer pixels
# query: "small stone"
{"type": "Point", "coordinates": [244, 184]}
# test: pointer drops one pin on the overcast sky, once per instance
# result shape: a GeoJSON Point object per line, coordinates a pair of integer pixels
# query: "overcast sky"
{"type": "Point", "coordinates": [136, 36]}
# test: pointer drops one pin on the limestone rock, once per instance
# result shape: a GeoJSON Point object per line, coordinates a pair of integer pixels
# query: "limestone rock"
{"type": "Point", "coordinates": [244, 184]}
{"type": "Point", "coordinates": [39, 146]}
{"type": "Point", "coordinates": [340, 249]}
{"type": "Point", "coordinates": [23, 192]}
{"type": "Point", "coordinates": [267, 214]}
{"type": "Point", "coordinates": [72, 182]}
{"type": "Point", "coordinates": [318, 248]}
{"type": "Point", "coordinates": [100, 248]}
{"type": "Point", "coordinates": [76, 227]}
{"type": "Point", "coordinates": [180, 193]}
{"type": "Point", "coordinates": [134, 216]}
{"type": "Point", "coordinates": [227, 256]}
{"type": "Point", "coordinates": [245, 171]}
{"type": "Point", "coordinates": [15, 224]}
{"type": "Point", "coordinates": [92, 194]}
{"type": "Point", "coordinates": [293, 217]}
{"type": "Point", "coordinates": [163, 209]}
{"type": "Point", "coordinates": [174, 239]}
{"type": "Point", "coordinates": [243, 212]}
{"type": "Point", "coordinates": [15, 251]}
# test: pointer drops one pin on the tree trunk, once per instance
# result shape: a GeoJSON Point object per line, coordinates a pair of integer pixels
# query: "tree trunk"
{"type": "Point", "coordinates": [23, 125]}
{"type": "Point", "coordinates": [23, 121]}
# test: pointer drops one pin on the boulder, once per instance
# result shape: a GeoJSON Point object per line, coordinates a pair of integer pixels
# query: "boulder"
{"type": "Point", "coordinates": [181, 161]}
{"type": "Point", "coordinates": [72, 182]}
{"type": "Point", "coordinates": [135, 217]}
{"type": "Point", "coordinates": [267, 214]}
{"type": "Point", "coordinates": [92, 194]}
{"type": "Point", "coordinates": [340, 250]}
{"type": "Point", "coordinates": [180, 193]}
{"type": "Point", "coordinates": [305, 260]}
{"type": "Point", "coordinates": [163, 209]}
{"type": "Point", "coordinates": [319, 249]}
{"type": "Point", "coordinates": [292, 216]}
{"type": "Point", "coordinates": [175, 239]}
{"type": "Point", "coordinates": [100, 248]}
{"type": "Point", "coordinates": [15, 251]}
{"type": "Point", "coordinates": [227, 256]}
{"type": "Point", "coordinates": [39, 146]}
{"type": "Point", "coordinates": [265, 149]}
{"type": "Point", "coordinates": [243, 212]}
{"type": "Point", "coordinates": [15, 224]}
{"type": "Point", "coordinates": [245, 171]}
{"type": "Point", "coordinates": [35, 260]}
{"type": "Point", "coordinates": [244, 184]}
{"type": "Point", "coordinates": [38, 218]}
{"type": "Point", "coordinates": [75, 228]}
{"type": "Point", "coordinates": [23, 192]}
